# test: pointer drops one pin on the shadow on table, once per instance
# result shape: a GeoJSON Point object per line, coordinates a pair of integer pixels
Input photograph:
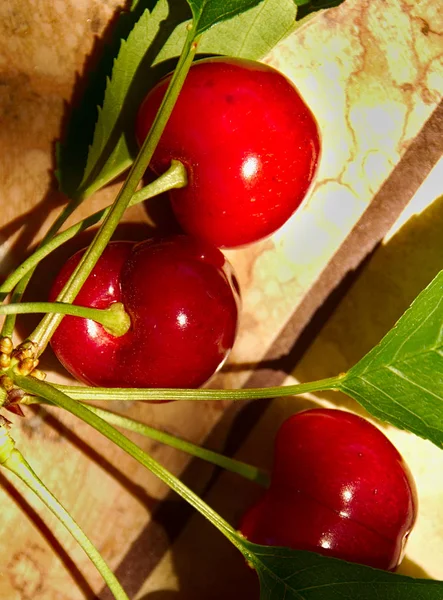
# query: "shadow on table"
{"type": "Point", "coordinates": [369, 302]}
{"type": "Point", "coordinates": [31, 515]}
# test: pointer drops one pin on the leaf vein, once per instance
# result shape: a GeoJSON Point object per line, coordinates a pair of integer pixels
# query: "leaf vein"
{"type": "Point", "coordinates": [415, 331]}
{"type": "Point", "coordinates": [411, 381]}
{"type": "Point", "coordinates": [396, 402]}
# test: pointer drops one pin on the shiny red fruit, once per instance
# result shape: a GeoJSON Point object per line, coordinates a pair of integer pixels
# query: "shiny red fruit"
{"type": "Point", "coordinates": [182, 298]}
{"type": "Point", "coordinates": [249, 143]}
{"type": "Point", "coordinates": [339, 487]}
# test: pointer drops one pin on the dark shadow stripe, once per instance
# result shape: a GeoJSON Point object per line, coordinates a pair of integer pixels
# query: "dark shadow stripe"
{"type": "Point", "coordinates": [171, 517]}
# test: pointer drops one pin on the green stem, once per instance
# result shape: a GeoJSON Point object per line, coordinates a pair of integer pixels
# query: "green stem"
{"type": "Point", "coordinates": [9, 323]}
{"type": "Point", "coordinates": [45, 390]}
{"type": "Point", "coordinates": [13, 460]}
{"type": "Point", "coordinates": [16, 296]}
{"type": "Point", "coordinates": [225, 462]}
{"type": "Point", "coordinates": [175, 177]}
{"type": "Point", "coordinates": [130, 394]}
{"type": "Point", "coordinates": [42, 334]}
{"type": "Point", "coordinates": [230, 464]}
{"type": "Point", "coordinates": [114, 319]}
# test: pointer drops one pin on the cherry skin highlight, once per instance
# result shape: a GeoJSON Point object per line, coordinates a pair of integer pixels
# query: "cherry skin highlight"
{"type": "Point", "coordinates": [339, 488]}
{"type": "Point", "coordinates": [249, 143]}
{"type": "Point", "coordinates": [183, 301]}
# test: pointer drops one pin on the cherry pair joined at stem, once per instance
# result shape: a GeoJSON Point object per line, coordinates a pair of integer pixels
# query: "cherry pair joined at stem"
{"type": "Point", "coordinates": [250, 146]}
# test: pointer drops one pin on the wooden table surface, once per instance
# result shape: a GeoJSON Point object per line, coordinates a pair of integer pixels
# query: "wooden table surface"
{"type": "Point", "coordinates": [372, 73]}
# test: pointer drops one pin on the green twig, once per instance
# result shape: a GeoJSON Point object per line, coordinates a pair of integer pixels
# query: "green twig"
{"type": "Point", "coordinates": [42, 334]}
{"type": "Point", "coordinates": [234, 466]}
{"type": "Point", "coordinates": [9, 323]}
{"type": "Point", "coordinates": [225, 462]}
{"type": "Point", "coordinates": [202, 394]}
{"type": "Point", "coordinates": [174, 177]}
{"type": "Point", "coordinates": [45, 390]}
{"type": "Point", "coordinates": [13, 460]}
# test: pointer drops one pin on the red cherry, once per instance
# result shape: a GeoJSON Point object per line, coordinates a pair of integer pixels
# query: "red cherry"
{"type": "Point", "coordinates": [339, 487]}
{"type": "Point", "coordinates": [182, 298]}
{"type": "Point", "coordinates": [250, 145]}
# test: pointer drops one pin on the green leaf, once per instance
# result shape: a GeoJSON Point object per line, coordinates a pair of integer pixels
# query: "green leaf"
{"type": "Point", "coordinates": [401, 380]}
{"type": "Point", "coordinates": [250, 35]}
{"type": "Point", "coordinates": [72, 151]}
{"type": "Point", "coordinates": [207, 13]}
{"type": "Point", "coordinates": [113, 145]}
{"type": "Point", "coordinates": [286, 574]}
{"type": "Point", "coordinates": [254, 33]}
{"type": "Point", "coordinates": [147, 53]}
{"type": "Point", "coordinates": [307, 7]}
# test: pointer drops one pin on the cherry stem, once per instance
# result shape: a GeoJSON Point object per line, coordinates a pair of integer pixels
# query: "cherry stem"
{"type": "Point", "coordinates": [201, 394]}
{"type": "Point", "coordinates": [174, 177]}
{"type": "Point", "coordinates": [114, 319]}
{"type": "Point", "coordinates": [14, 461]}
{"type": "Point", "coordinates": [229, 464]}
{"type": "Point", "coordinates": [55, 396]}
{"type": "Point", "coordinates": [43, 332]}
{"type": "Point", "coordinates": [9, 323]}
